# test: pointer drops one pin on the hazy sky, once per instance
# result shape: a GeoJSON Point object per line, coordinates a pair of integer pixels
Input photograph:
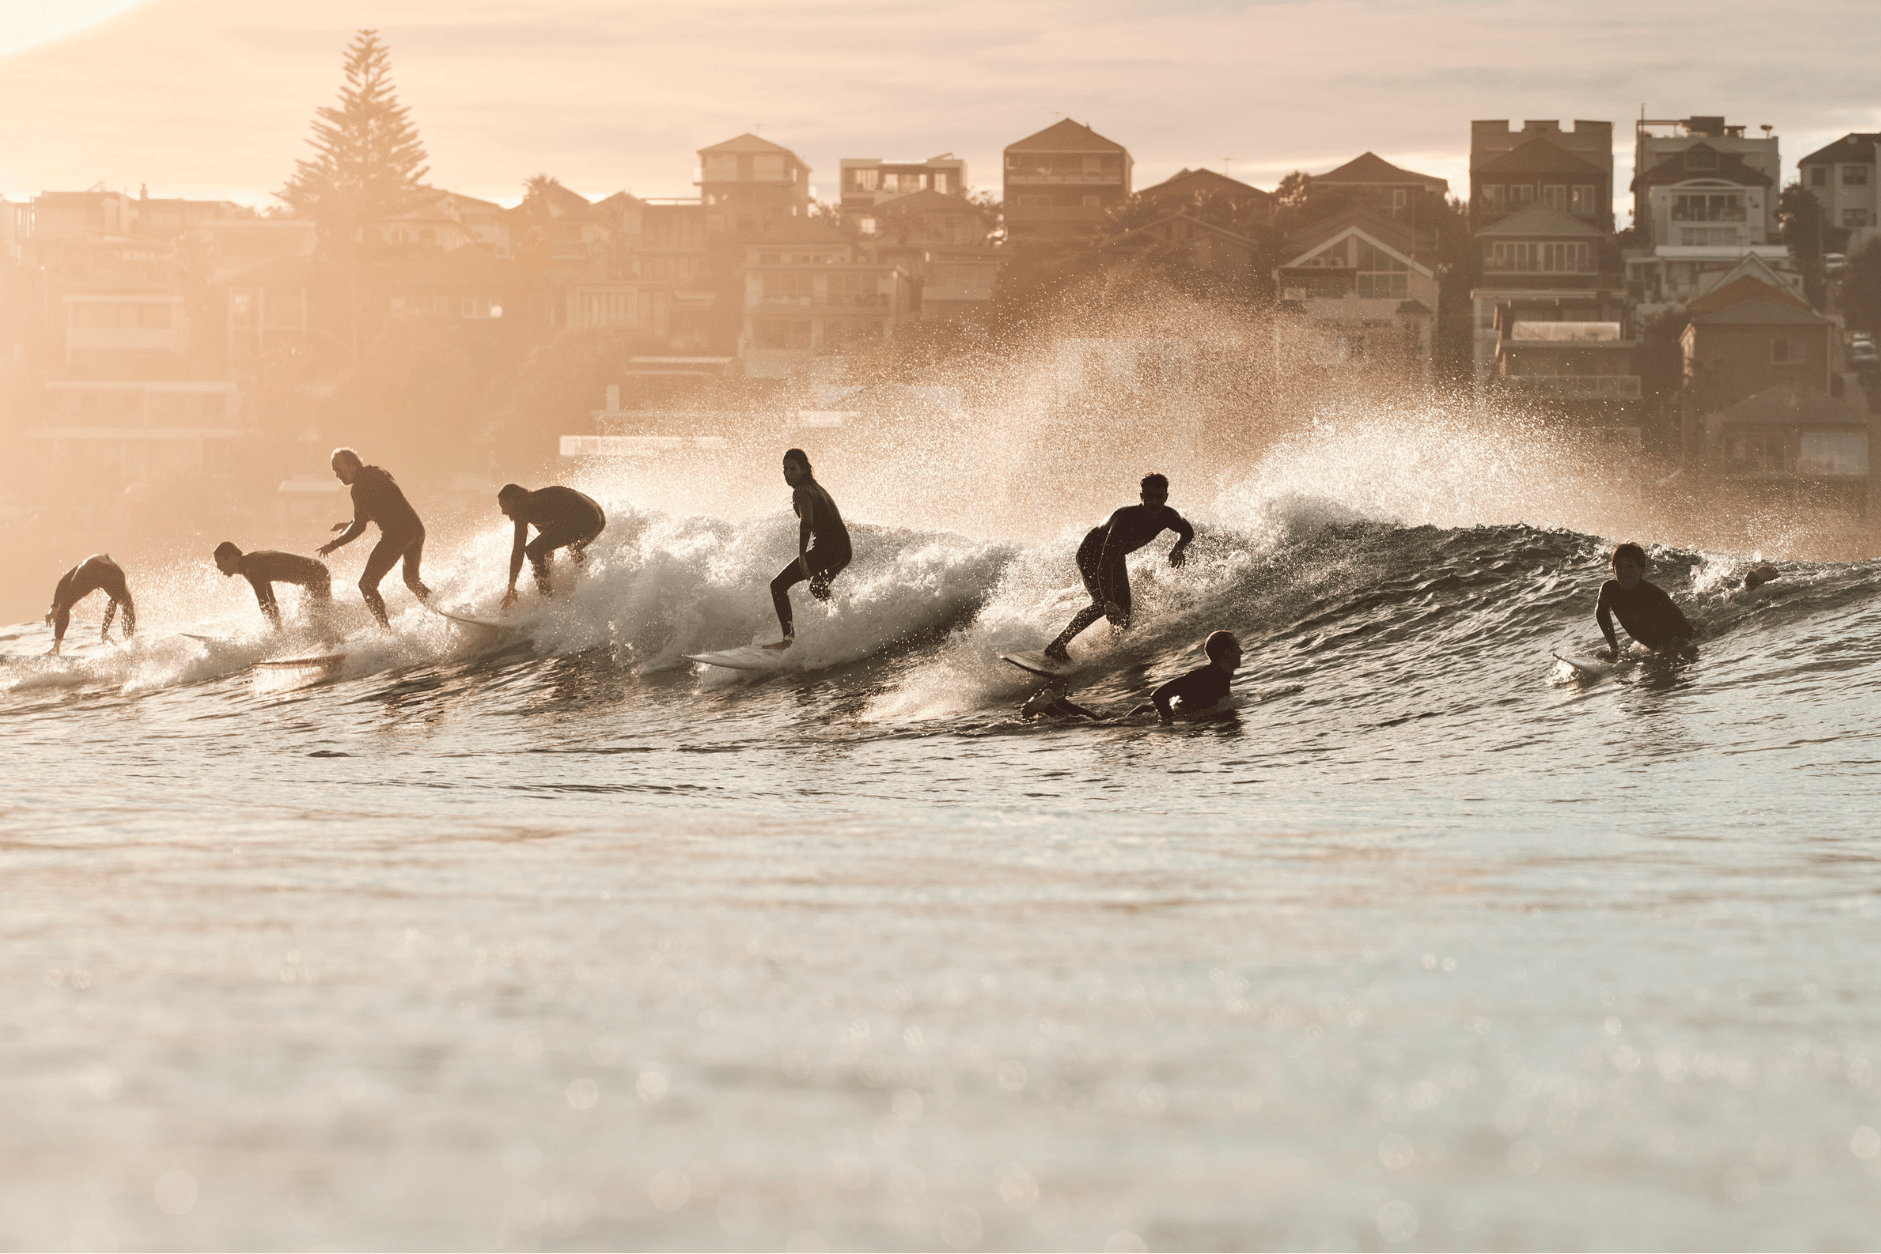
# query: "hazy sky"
{"type": "Point", "coordinates": [213, 97]}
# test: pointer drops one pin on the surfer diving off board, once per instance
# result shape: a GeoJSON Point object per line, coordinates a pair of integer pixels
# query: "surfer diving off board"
{"type": "Point", "coordinates": [267, 567]}
{"type": "Point", "coordinates": [1101, 559]}
{"type": "Point", "coordinates": [822, 542]}
{"type": "Point", "coordinates": [562, 517]}
{"type": "Point", "coordinates": [97, 573]}
{"type": "Point", "coordinates": [378, 499]}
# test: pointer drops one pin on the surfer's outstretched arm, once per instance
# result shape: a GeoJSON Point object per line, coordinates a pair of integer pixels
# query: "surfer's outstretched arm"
{"type": "Point", "coordinates": [1603, 614]}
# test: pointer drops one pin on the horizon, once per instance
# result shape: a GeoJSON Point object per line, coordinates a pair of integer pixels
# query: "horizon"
{"type": "Point", "coordinates": [277, 71]}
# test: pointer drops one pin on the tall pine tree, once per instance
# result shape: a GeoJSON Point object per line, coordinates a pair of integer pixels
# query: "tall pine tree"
{"type": "Point", "coordinates": [367, 156]}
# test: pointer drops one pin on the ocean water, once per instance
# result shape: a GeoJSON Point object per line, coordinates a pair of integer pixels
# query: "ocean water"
{"type": "Point", "coordinates": [543, 938]}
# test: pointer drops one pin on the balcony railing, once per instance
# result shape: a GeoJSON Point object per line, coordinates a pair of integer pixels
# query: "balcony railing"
{"type": "Point", "coordinates": [1034, 176]}
{"type": "Point", "coordinates": [1736, 214]}
{"type": "Point", "coordinates": [1615, 387]}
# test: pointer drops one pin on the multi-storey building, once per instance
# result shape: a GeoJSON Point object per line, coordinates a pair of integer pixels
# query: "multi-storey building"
{"type": "Point", "coordinates": [1366, 285]}
{"type": "Point", "coordinates": [1570, 172]}
{"type": "Point", "coordinates": [1060, 182]}
{"type": "Point", "coordinates": [1184, 186]}
{"type": "Point", "coordinates": [808, 291]}
{"type": "Point", "coordinates": [1675, 163]}
{"type": "Point", "coordinates": [868, 182]}
{"type": "Point", "coordinates": [1383, 187]}
{"type": "Point", "coordinates": [750, 184]}
{"type": "Point", "coordinates": [1847, 187]}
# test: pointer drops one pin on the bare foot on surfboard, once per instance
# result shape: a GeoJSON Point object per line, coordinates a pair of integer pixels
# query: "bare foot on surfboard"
{"type": "Point", "coordinates": [781, 645]}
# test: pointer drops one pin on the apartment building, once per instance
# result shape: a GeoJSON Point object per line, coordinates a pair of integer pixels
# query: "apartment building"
{"type": "Point", "coordinates": [1569, 172]}
{"type": "Point", "coordinates": [868, 182]}
{"type": "Point", "coordinates": [1365, 285]}
{"type": "Point", "coordinates": [1185, 186]}
{"type": "Point", "coordinates": [1847, 187]}
{"type": "Point", "coordinates": [1060, 182]}
{"type": "Point", "coordinates": [1382, 186]}
{"type": "Point", "coordinates": [1702, 180]}
{"type": "Point", "coordinates": [809, 291]}
{"type": "Point", "coordinates": [749, 184]}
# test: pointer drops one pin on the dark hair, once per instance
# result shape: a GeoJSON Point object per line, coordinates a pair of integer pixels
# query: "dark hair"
{"type": "Point", "coordinates": [1627, 550]}
{"type": "Point", "coordinates": [1156, 483]}
{"type": "Point", "coordinates": [1218, 641]}
{"type": "Point", "coordinates": [511, 489]}
{"type": "Point", "coordinates": [227, 549]}
{"type": "Point", "coordinates": [797, 453]}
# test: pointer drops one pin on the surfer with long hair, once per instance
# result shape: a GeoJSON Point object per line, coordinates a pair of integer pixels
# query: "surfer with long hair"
{"type": "Point", "coordinates": [822, 542]}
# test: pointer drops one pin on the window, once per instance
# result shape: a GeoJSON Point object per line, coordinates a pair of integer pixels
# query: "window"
{"type": "Point", "coordinates": [1540, 258]}
{"type": "Point", "coordinates": [1755, 451]}
{"type": "Point", "coordinates": [1701, 159]}
{"type": "Point", "coordinates": [1833, 453]}
{"type": "Point", "coordinates": [1399, 197]}
{"type": "Point", "coordinates": [855, 287]}
{"type": "Point", "coordinates": [1036, 201]}
{"type": "Point", "coordinates": [1521, 195]}
{"type": "Point", "coordinates": [1854, 176]}
{"type": "Point", "coordinates": [942, 181]}
{"type": "Point", "coordinates": [1495, 196]}
{"type": "Point", "coordinates": [1789, 352]}
{"type": "Point", "coordinates": [1854, 217]}
{"type": "Point", "coordinates": [1554, 195]}
{"type": "Point", "coordinates": [863, 180]}
{"type": "Point", "coordinates": [1708, 236]}
{"type": "Point", "coordinates": [788, 285]}
{"type": "Point", "coordinates": [781, 332]}
{"type": "Point", "coordinates": [866, 225]}
{"type": "Point", "coordinates": [1381, 275]}
{"type": "Point", "coordinates": [1582, 199]}
{"type": "Point", "coordinates": [1708, 207]}
{"type": "Point", "coordinates": [1818, 175]}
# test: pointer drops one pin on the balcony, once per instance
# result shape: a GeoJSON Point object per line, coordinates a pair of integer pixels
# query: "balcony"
{"type": "Point", "coordinates": [1734, 214]}
{"type": "Point", "coordinates": [1604, 387]}
{"type": "Point", "coordinates": [1038, 178]}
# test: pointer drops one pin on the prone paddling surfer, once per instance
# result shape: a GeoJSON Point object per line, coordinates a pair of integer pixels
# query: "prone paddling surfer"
{"type": "Point", "coordinates": [1202, 688]}
{"type": "Point", "coordinates": [562, 517]}
{"type": "Point", "coordinates": [97, 573]}
{"type": "Point", "coordinates": [822, 542]}
{"type": "Point", "coordinates": [378, 499]}
{"type": "Point", "coordinates": [1644, 609]}
{"type": "Point", "coordinates": [266, 567]}
{"type": "Point", "coordinates": [1101, 559]}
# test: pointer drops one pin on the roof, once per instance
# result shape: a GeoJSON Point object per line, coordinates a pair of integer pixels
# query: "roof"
{"type": "Point", "coordinates": [1538, 156]}
{"type": "Point", "coordinates": [1369, 169]}
{"type": "Point", "coordinates": [1187, 182]}
{"type": "Point", "coordinates": [801, 231]}
{"type": "Point", "coordinates": [1066, 136]}
{"type": "Point", "coordinates": [1760, 311]}
{"type": "Point", "coordinates": [926, 201]}
{"type": "Point", "coordinates": [1541, 222]}
{"type": "Point", "coordinates": [1206, 228]}
{"type": "Point", "coordinates": [750, 143]}
{"type": "Point", "coordinates": [1784, 405]}
{"type": "Point", "coordinates": [1729, 168]}
{"type": "Point", "coordinates": [1854, 146]}
{"type": "Point", "coordinates": [1739, 290]}
{"type": "Point", "coordinates": [1393, 235]}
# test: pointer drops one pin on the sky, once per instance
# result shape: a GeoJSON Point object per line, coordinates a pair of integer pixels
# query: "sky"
{"type": "Point", "coordinates": [213, 98]}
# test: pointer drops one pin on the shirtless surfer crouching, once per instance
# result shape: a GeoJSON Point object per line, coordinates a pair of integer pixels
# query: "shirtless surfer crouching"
{"type": "Point", "coordinates": [97, 573]}
{"type": "Point", "coordinates": [822, 542]}
{"type": "Point", "coordinates": [266, 567]}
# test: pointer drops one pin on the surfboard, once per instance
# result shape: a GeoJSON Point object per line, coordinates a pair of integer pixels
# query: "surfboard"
{"type": "Point", "coordinates": [1584, 668]}
{"type": "Point", "coordinates": [749, 658]}
{"type": "Point", "coordinates": [468, 619]}
{"type": "Point", "coordinates": [315, 662]}
{"type": "Point", "coordinates": [190, 635]}
{"type": "Point", "coordinates": [1036, 663]}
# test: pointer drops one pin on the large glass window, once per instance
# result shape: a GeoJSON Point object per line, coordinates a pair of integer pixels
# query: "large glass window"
{"type": "Point", "coordinates": [1380, 274]}
{"type": "Point", "coordinates": [788, 285]}
{"type": "Point", "coordinates": [1854, 176]}
{"type": "Point", "coordinates": [1833, 453]}
{"type": "Point", "coordinates": [1554, 195]}
{"type": "Point", "coordinates": [1708, 207]}
{"type": "Point", "coordinates": [1539, 258]}
{"type": "Point", "coordinates": [1582, 201]}
{"type": "Point", "coordinates": [1495, 197]}
{"type": "Point", "coordinates": [1854, 217]}
{"type": "Point", "coordinates": [1521, 195]}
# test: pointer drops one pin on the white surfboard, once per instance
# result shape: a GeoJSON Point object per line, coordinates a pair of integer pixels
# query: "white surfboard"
{"type": "Point", "coordinates": [749, 658]}
{"type": "Point", "coordinates": [1584, 669]}
{"type": "Point", "coordinates": [1036, 663]}
{"type": "Point", "coordinates": [469, 619]}
{"type": "Point", "coordinates": [313, 662]}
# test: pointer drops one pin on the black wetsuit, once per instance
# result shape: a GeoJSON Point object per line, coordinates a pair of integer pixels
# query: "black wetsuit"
{"type": "Point", "coordinates": [1200, 689]}
{"type": "Point", "coordinates": [821, 528]}
{"type": "Point", "coordinates": [267, 567]}
{"type": "Point", "coordinates": [377, 499]}
{"type": "Point", "coordinates": [1101, 560]}
{"type": "Point", "coordinates": [1646, 612]}
{"type": "Point", "coordinates": [96, 573]}
{"type": "Point", "coordinates": [563, 518]}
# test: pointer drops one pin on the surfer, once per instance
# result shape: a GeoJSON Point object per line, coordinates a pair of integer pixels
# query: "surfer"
{"type": "Point", "coordinates": [1643, 608]}
{"type": "Point", "coordinates": [822, 542]}
{"type": "Point", "coordinates": [1101, 559]}
{"type": "Point", "coordinates": [562, 517]}
{"type": "Point", "coordinates": [266, 567]}
{"type": "Point", "coordinates": [97, 573]}
{"type": "Point", "coordinates": [1202, 688]}
{"type": "Point", "coordinates": [377, 499]}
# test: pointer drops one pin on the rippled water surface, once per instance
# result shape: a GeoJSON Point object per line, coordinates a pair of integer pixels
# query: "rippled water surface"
{"type": "Point", "coordinates": [540, 939]}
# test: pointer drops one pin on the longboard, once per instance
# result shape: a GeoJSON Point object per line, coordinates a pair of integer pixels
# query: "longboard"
{"type": "Point", "coordinates": [1585, 668]}
{"type": "Point", "coordinates": [304, 663]}
{"type": "Point", "coordinates": [1037, 663]}
{"type": "Point", "coordinates": [749, 658]}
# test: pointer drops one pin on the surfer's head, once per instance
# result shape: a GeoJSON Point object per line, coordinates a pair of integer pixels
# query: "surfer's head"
{"type": "Point", "coordinates": [228, 558]}
{"type": "Point", "coordinates": [1629, 564]}
{"type": "Point", "coordinates": [796, 466]}
{"type": "Point", "coordinates": [1223, 649]}
{"type": "Point", "coordinates": [1155, 490]}
{"type": "Point", "coordinates": [346, 465]}
{"type": "Point", "coordinates": [508, 496]}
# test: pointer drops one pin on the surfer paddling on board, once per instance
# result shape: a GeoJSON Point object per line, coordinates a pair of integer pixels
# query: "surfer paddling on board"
{"type": "Point", "coordinates": [1203, 688]}
{"type": "Point", "coordinates": [562, 517]}
{"type": "Point", "coordinates": [377, 499]}
{"type": "Point", "coordinates": [822, 542]}
{"type": "Point", "coordinates": [97, 573]}
{"type": "Point", "coordinates": [266, 567]}
{"type": "Point", "coordinates": [1643, 608]}
{"type": "Point", "coordinates": [1101, 559]}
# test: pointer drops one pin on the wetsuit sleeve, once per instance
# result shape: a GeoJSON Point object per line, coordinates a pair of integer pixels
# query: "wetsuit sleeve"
{"type": "Point", "coordinates": [362, 514]}
{"type": "Point", "coordinates": [1603, 614]}
{"type": "Point", "coordinates": [516, 550]}
{"type": "Point", "coordinates": [1181, 526]}
{"type": "Point", "coordinates": [264, 595]}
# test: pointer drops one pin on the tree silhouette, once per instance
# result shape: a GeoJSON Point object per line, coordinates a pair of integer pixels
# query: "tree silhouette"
{"type": "Point", "coordinates": [367, 156]}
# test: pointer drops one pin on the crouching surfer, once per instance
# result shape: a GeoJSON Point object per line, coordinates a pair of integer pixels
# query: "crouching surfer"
{"type": "Point", "coordinates": [97, 573]}
{"type": "Point", "coordinates": [1101, 559]}
{"type": "Point", "coordinates": [822, 543]}
{"type": "Point", "coordinates": [562, 517]}
{"type": "Point", "coordinates": [266, 567]}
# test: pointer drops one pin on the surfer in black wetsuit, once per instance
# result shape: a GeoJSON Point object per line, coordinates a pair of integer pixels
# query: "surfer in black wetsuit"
{"type": "Point", "coordinates": [377, 499]}
{"type": "Point", "coordinates": [266, 567]}
{"type": "Point", "coordinates": [1101, 559]}
{"type": "Point", "coordinates": [1643, 608]}
{"type": "Point", "coordinates": [1202, 688]}
{"type": "Point", "coordinates": [822, 542]}
{"type": "Point", "coordinates": [97, 573]}
{"type": "Point", "coordinates": [562, 517]}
